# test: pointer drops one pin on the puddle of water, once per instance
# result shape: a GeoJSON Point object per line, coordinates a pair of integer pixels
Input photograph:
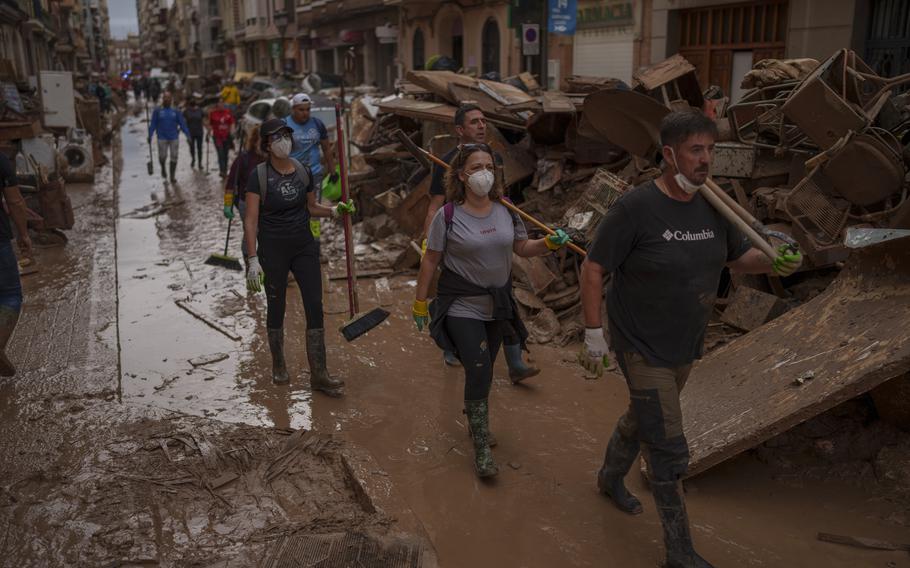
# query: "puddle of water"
{"type": "Point", "coordinates": [160, 262]}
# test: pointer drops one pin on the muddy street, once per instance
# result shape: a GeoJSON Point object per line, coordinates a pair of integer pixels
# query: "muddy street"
{"type": "Point", "coordinates": [144, 428]}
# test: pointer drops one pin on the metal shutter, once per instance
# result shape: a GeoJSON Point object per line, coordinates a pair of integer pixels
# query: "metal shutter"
{"type": "Point", "coordinates": [604, 52]}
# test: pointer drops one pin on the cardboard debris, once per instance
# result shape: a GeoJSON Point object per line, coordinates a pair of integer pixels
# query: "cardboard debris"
{"type": "Point", "coordinates": [749, 308]}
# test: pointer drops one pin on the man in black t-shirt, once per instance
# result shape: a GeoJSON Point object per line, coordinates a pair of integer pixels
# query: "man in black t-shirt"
{"type": "Point", "coordinates": [10, 287]}
{"type": "Point", "coordinates": [665, 247]}
{"type": "Point", "coordinates": [471, 127]}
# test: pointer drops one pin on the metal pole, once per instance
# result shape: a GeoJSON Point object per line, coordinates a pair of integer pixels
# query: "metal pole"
{"type": "Point", "coordinates": [544, 39]}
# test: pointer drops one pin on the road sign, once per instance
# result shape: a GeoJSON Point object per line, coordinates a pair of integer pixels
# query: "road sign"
{"type": "Point", "coordinates": [530, 39]}
{"type": "Point", "coordinates": [562, 17]}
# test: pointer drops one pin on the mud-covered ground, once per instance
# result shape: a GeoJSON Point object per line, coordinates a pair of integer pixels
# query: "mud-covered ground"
{"type": "Point", "coordinates": [117, 450]}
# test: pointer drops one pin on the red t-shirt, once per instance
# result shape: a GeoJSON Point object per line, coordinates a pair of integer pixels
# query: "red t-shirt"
{"type": "Point", "coordinates": [221, 121]}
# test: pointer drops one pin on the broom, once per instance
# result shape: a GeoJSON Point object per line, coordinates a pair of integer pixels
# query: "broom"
{"type": "Point", "coordinates": [224, 260]}
{"type": "Point", "coordinates": [149, 164]}
{"type": "Point", "coordinates": [359, 323]}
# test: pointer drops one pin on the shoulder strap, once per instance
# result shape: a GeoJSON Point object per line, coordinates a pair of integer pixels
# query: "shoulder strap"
{"type": "Point", "coordinates": [303, 174]}
{"type": "Point", "coordinates": [448, 212]}
{"type": "Point", "coordinates": [263, 183]}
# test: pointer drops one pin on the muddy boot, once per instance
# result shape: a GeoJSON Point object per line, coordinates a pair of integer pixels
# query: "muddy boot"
{"type": "Point", "coordinates": [319, 376]}
{"type": "Point", "coordinates": [478, 413]}
{"type": "Point", "coordinates": [163, 170]}
{"type": "Point", "coordinates": [621, 454]}
{"type": "Point", "coordinates": [491, 438]}
{"type": "Point", "coordinates": [173, 171]}
{"type": "Point", "coordinates": [276, 346]}
{"type": "Point", "coordinates": [671, 507]}
{"type": "Point", "coordinates": [8, 320]}
{"type": "Point", "coordinates": [518, 370]}
{"type": "Point", "coordinates": [450, 359]}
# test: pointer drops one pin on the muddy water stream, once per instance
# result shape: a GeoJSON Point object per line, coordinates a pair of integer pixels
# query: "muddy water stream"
{"type": "Point", "coordinates": [404, 406]}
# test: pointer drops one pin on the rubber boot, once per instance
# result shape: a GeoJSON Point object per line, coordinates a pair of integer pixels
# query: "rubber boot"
{"type": "Point", "coordinates": [518, 370]}
{"type": "Point", "coordinates": [173, 171]}
{"type": "Point", "coordinates": [276, 346]}
{"type": "Point", "coordinates": [163, 170]}
{"type": "Point", "coordinates": [491, 438]}
{"type": "Point", "coordinates": [8, 319]}
{"type": "Point", "coordinates": [478, 413]}
{"type": "Point", "coordinates": [319, 376]}
{"type": "Point", "coordinates": [450, 359]}
{"type": "Point", "coordinates": [671, 508]}
{"type": "Point", "coordinates": [621, 454]}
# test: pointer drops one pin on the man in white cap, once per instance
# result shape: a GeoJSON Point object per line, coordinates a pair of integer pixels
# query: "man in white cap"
{"type": "Point", "coordinates": [309, 133]}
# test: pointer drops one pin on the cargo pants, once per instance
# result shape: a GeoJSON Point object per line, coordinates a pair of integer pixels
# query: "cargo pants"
{"type": "Point", "coordinates": [654, 417]}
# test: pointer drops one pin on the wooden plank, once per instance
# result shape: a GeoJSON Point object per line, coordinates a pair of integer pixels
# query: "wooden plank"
{"type": "Point", "coordinates": [420, 110]}
{"type": "Point", "coordinates": [852, 337]}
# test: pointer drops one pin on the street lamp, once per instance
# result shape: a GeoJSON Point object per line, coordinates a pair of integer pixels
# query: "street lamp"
{"type": "Point", "coordinates": [281, 22]}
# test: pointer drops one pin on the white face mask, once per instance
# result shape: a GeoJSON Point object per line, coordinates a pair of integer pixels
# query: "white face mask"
{"type": "Point", "coordinates": [481, 182]}
{"type": "Point", "coordinates": [281, 148]}
{"type": "Point", "coordinates": [682, 181]}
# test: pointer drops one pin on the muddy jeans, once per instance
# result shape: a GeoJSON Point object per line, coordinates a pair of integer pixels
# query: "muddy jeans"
{"type": "Point", "coordinates": [654, 416]}
{"type": "Point", "coordinates": [10, 286]}
{"type": "Point", "coordinates": [478, 344]}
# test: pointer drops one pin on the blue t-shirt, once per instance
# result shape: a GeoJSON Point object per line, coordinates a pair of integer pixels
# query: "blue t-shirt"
{"type": "Point", "coordinates": [306, 142]}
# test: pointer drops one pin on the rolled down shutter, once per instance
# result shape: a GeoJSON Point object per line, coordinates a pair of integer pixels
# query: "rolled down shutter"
{"type": "Point", "coordinates": [604, 52]}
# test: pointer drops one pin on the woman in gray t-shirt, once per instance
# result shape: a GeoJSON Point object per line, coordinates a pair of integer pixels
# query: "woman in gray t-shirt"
{"type": "Point", "coordinates": [474, 236]}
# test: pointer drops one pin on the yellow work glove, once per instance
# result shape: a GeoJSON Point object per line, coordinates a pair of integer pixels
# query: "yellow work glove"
{"type": "Point", "coordinates": [421, 314]}
{"type": "Point", "coordinates": [423, 248]}
{"type": "Point", "coordinates": [787, 262]}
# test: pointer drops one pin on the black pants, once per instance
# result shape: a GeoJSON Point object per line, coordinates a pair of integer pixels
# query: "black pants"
{"type": "Point", "coordinates": [196, 149]}
{"type": "Point", "coordinates": [478, 344]}
{"type": "Point", "coordinates": [222, 151]}
{"type": "Point", "coordinates": [298, 255]}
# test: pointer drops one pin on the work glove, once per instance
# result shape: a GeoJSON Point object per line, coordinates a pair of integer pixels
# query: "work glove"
{"type": "Point", "coordinates": [229, 205]}
{"type": "Point", "coordinates": [333, 178]}
{"type": "Point", "coordinates": [557, 241]}
{"type": "Point", "coordinates": [788, 261]}
{"type": "Point", "coordinates": [421, 314]}
{"type": "Point", "coordinates": [593, 356]}
{"type": "Point", "coordinates": [344, 208]}
{"type": "Point", "coordinates": [254, 275]}
{"type": "Point", "coordinates": [423, 248]}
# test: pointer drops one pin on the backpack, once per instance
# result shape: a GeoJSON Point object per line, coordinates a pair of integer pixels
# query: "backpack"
{"type": "Point", "coordinates": [303, 173]}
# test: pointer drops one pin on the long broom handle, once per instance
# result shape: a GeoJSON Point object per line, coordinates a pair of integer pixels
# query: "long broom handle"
{"type": "Point", "coordinates": [348, 244]}
{"type": "Point", "coordinates": [512, 207]}
{"type": "Point", "coordinates": [227, 240]}
{"type": "Point", "coordinates": [741, 224]}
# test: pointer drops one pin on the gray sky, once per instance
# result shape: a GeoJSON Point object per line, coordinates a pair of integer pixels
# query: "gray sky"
{"type": "Point", "coordinates": [123, 17]}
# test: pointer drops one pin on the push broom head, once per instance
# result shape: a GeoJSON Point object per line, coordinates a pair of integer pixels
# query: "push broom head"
{"type": "Point", "coordinates": [363, 323]}
{"type": "Point", "coordinates": [224, 261]}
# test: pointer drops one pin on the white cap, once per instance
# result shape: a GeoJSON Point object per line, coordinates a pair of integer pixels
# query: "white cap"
{"type": "Point", "coordinates": [301, 99]}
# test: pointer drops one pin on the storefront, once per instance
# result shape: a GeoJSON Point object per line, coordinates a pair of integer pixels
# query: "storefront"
{"type": "Point", "coordinates": [605, 39]}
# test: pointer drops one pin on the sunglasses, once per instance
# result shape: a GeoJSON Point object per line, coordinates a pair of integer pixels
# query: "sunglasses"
{"type": "Point", "coordinates": [278, 136]}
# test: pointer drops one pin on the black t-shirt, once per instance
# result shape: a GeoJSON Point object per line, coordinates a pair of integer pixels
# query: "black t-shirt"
{"type": "Point", "coordinates": [666, 258]}
{"type": "Point", "coordinates": [194, 120]}
{"type": "Point", "coordinates": [437, 185]}
{"type": "Point", "coordinates": [285, 213]}
{"type": "Point", "coordinates": [7, 179]}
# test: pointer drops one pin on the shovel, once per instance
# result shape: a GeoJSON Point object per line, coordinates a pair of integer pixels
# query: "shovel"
{"type": "Point", "coordinates": [149, 166]}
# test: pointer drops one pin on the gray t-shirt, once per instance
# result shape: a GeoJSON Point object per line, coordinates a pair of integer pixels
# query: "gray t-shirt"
{"type": "Point", "coordinates": [479, 249]}
{"type": "Point", "coordinates": [666, 257]}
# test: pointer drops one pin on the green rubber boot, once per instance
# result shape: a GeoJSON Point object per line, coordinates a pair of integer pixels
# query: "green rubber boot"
{"type": "Point", "coordinates": [478, 413]}
{"type": "Point", "coordinates": [319, 375]}
{"type": "Point", "coordinates": [276, 346]}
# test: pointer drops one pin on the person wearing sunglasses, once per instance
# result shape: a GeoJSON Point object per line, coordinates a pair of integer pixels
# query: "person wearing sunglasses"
{"type": "Point", "coordinates": [279, 204]}
{"type": "Point", "coordinates": [474, 236]}
{"type": "Point", "coordinates": [471, 127]}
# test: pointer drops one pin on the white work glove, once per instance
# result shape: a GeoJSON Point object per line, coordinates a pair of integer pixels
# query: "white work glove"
{"type": "Point", "coordinates": [593, 356]}
{"type": "Point", "coordinates": [254, 275]}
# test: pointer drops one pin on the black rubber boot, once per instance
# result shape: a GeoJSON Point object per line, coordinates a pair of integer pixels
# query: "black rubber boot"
{"type": "Point", "coordinates": [173, 171]}
{"type": "Point", "coordinates": [276, 346]}
{"type": "Point", "coordinates": [450, 359]}
{"type": "Point", "coordinates": [518, 370]}
{"type": "Point", "coordinates": [8, 320]}
{"type": "Point", "coordinates": [319, 375]}
{"type": "Point", "coordinates": [478, 412]}
{"type": "Point", "coordinates": [163, 169]}
{"type": "Point", "coordinates": [621, 454]}
{"type": "Point", "coordinates": [671, 507]}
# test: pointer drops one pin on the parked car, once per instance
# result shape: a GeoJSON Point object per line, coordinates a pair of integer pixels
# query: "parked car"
{"type": "Point", "coordinates": [264, 109]}
{"type": "Point", "coordinates": [272, 88]}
